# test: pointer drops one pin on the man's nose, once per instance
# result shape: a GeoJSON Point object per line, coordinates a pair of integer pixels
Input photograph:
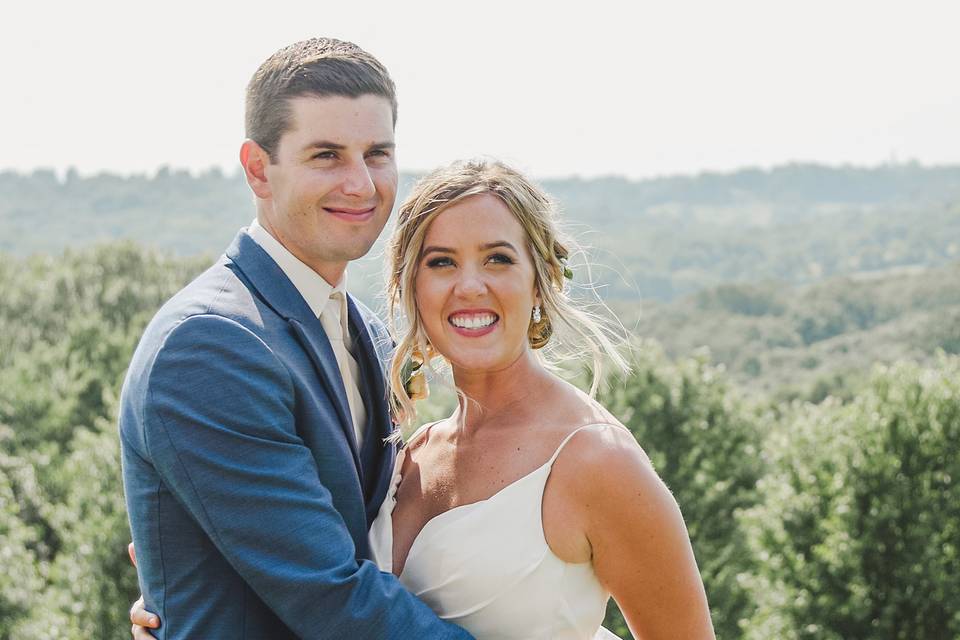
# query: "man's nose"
{"type": "Point", "coordinates": [357, 181]}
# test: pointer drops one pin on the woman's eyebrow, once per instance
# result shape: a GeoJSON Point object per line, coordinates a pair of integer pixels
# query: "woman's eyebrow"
{"type": "Point", "coordinates": [500, 243]}
{"type": "Point", "coordinates": [484, 247]}
{"type": "Point", "coordinates": [433, 249]}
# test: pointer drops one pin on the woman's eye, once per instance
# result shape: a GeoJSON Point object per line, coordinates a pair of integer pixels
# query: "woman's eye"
{"type": "Point", "coordinates": [501, 258]}
{"type": "Point", "coordinates": [439, 262]}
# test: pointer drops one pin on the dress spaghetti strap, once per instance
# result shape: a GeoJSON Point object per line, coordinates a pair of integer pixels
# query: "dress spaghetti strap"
{"type": "Point", "coordinates": [575, 432]}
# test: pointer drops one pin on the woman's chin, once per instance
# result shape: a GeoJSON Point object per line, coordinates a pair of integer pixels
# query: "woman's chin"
{"type": "Point", "coordinates": [480, 362]}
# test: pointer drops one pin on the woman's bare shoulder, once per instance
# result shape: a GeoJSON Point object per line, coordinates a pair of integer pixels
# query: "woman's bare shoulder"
{"type": "Point", "coordinates": [598, 433]}
{"type": "Point", "coordinates": [604, 445]}
{"type": "Point", "coordinates": [602, 462]}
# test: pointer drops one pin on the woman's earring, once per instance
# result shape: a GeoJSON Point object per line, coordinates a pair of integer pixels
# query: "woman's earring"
{"type": "Point", "coordinates": [540, 330]}
{"type": "Point", "coordinates": [414, 379]}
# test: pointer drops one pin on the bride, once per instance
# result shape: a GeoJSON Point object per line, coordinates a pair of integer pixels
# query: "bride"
{"type": "Point", "coordinates": [523, 512]}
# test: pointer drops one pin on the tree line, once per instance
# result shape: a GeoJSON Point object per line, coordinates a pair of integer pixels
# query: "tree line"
{"type": "Point", "coordinates": [660, 239]}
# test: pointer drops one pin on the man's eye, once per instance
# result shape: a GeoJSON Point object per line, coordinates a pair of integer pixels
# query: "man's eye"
{"type": "Point", "coordinates": [324, 155]}
{"type": "Point", "coordinates": [382, 153]}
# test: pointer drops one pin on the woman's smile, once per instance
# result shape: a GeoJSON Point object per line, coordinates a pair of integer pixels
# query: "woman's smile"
{"type": "Point", "coordinates": [473, 323]}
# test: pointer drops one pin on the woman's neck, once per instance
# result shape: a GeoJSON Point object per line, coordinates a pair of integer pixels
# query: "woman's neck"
{"type": "Point", "coordinates": [487, 396]}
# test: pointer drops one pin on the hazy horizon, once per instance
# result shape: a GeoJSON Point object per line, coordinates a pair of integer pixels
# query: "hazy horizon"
{"type": "Point", "coordinates": [236, 172]}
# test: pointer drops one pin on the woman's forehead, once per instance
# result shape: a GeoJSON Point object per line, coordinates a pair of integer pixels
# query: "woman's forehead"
{"type": "Point", "coordinates": [476, 219]}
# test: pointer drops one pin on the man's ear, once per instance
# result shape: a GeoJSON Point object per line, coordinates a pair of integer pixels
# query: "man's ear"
{"type": "Point", "coordinates": [254, 160]}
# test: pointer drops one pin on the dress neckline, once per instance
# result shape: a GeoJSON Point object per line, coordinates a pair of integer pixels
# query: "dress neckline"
{"type": "Point", "coordinates": [398, 477]}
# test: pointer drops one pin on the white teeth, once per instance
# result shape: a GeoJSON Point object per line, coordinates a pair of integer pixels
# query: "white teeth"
{"type": "Point", "coordinates": [473, 322]}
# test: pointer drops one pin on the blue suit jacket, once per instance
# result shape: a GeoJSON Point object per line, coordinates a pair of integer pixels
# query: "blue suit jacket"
{"type": "Point", "coordinates": [249, 502]}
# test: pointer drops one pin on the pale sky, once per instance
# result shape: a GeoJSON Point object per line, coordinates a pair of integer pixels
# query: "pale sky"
{"type": "Point", "coordinates": [637, 89]}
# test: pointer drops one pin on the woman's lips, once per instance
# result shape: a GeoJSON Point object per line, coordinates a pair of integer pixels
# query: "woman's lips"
{"type": "Point", "coordinates": [489, 319]}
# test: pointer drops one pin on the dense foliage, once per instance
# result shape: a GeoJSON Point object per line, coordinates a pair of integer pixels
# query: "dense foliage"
{"type": "Point", "coordinates": [816, 340]}
{"type": "Point", "coordinates": [830, 520]}
{"type": "Point", "coordinates": [858, 532]}
{"type": "Point", "coordinates": [68, 326]}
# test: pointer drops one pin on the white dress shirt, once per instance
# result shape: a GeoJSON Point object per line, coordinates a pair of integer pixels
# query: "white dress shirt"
{"type": "Point", "coordinates": [329, 305]}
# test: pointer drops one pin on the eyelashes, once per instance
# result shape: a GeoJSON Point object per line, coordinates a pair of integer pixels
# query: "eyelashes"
{"type": "Point", "coordinates": [439, 262]}
{"type": "Point", "coordinates": [497, 258]}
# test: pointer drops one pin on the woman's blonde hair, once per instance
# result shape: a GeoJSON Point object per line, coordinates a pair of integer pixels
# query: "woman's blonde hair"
{"type": "Point", "coordinates": [537, 214]}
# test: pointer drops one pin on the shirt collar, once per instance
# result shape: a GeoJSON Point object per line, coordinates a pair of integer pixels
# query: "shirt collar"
{"type": "Point", "coordinates": [315, 290]}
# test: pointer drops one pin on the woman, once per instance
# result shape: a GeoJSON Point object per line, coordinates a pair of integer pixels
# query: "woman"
{"type": "Point", "coordinates": [524, 511]}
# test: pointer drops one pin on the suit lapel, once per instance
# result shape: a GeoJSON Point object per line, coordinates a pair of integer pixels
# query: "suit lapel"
{"type": "Point", "coordinates": [363, 348]}
{"type": "Point", "coordinates": [378, 455]}
{"type": "Point", "coordinates": [317, 346]}
{"type": "Point", "coordinates": [275, 288]}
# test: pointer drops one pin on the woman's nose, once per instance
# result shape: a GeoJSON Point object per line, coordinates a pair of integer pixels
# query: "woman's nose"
{"type": "Point", "coordinates": [470, 284]}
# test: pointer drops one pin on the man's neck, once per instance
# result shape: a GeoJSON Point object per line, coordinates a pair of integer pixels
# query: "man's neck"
{"type": "Point", "coordinates": [331, 272]}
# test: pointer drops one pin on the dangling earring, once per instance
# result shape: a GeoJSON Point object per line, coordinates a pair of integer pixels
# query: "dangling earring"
{"type": "Point", "coordinates": [414, 380]}
{"type": "Point", "coordinates": [540, 329]}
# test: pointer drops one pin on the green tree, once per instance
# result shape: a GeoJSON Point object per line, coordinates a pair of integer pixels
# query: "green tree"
{"type": "Point", "coordinates": [68, 327]}
{"type": "Point", "coordinates": [90, 583]}
{"type": "Point", "coordinates": [858, 534]}
{"type": "Point", "coordinates": [705, 444]}
{"type": "Point", "coordinates": [20, 544]}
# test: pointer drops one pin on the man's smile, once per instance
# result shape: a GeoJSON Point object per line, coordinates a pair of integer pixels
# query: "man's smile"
{"type": "Point", "coordinates": [352, 214]}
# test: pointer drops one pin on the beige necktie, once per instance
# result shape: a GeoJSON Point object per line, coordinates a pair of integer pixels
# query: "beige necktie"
{"type": "Point", "coordinates": [333, 321]}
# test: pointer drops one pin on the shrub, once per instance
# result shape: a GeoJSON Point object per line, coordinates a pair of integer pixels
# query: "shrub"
{"type": "Point", "coordinates": [858, 534]}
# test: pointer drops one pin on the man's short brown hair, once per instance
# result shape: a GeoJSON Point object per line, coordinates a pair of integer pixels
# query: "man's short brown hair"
{"type": "Point", "coordinates": [316, 67]}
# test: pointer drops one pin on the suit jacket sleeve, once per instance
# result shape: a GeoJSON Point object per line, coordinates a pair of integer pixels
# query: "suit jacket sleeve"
{"type": "Point", "coordinates": [219, 426]}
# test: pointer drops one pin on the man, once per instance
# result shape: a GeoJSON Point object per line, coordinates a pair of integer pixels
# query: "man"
{"type": "Point", "coordinates": [254, 410]}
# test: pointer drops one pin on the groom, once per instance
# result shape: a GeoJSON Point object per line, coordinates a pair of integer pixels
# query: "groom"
{"type": "Point", "coordinates": [254, 410]}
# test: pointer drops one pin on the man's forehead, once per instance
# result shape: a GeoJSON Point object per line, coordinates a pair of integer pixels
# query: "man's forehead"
{"type": "Point", "coordinates": [365, 119]}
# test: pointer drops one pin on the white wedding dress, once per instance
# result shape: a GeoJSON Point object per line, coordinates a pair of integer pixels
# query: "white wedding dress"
{"type": "Point", "coordinates": [486, 566]}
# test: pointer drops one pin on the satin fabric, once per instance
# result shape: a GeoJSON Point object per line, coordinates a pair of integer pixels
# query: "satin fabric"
{"type": "Point", "coordinates": [486, 566]}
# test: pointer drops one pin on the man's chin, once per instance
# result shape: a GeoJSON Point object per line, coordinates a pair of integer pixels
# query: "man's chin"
{"type": "Point", "coordinates": [349, 254]}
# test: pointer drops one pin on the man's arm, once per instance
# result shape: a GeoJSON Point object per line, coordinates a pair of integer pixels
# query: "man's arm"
{"type": "Point", "coordinates": [219, 427]}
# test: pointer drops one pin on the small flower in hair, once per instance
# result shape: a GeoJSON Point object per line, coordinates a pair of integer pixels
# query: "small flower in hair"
{"type": "Point", "coordinates": [567, 271]}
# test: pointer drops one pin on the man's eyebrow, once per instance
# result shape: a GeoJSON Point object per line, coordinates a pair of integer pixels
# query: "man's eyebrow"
{"type": "Point", "coordinates": [325, 144]}
{"type": "Point", "coordinates": [336, 146]}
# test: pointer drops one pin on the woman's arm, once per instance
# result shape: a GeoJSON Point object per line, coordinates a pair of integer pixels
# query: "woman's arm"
{"type": "Point", "coordinates": [641, 551]}
{"type": "Point", "coordinates": [140, 618]}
